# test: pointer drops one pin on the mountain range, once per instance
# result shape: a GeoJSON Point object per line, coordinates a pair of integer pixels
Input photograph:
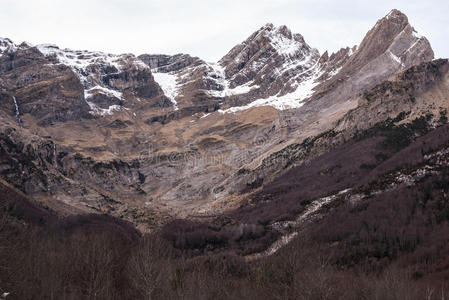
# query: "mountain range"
{"type": "Point", "coordinates": [278, 172]}
{"type": "Point", "coordinates": [152, 138]}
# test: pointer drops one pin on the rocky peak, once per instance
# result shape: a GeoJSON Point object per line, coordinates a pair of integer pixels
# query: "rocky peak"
{"type": "Point", "coordinates": [286, 43]}
{"type": "Point", "coordinates": [390, 46]}
{"type": "Point", "coordinates": [6, 45]}
{"type": "Point", "coordinates": [108, 79]}
{"type": "Point", "coordinates": [395, 38]}
{"type": "Point", "coordinates": [266, 47]}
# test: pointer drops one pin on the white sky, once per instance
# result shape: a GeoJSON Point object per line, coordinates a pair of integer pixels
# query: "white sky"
{"type": "Point", "coordinates": [208, 29]}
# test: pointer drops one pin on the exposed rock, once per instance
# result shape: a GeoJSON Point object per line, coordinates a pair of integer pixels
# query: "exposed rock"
{"type": "Point", "coordinates": [167, 63]}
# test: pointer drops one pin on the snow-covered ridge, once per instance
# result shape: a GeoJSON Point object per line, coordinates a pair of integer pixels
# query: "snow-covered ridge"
{"type": "Point", "coordinates": [284, 45]}
{"type": "Point", "coordinates": [84, 63]}
{"type": "Point", "coordinates": [6, 45]}
{"type": "Point", "coordinates": [80, 60]}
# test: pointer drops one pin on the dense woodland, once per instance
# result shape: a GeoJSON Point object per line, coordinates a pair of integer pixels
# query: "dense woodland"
{"type": "Point", "coordinates": [375, 250]}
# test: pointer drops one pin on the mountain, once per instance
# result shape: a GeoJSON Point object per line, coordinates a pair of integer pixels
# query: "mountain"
{"type": "Point", "coordinates": [152, 137]}
{"type": "Point", "coordinates": [248, 171]}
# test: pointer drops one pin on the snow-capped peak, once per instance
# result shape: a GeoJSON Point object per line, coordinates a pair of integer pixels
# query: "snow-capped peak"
{"type": "Point", "coordinates": [80, 60]}
{"type": "Point", "coordinates": [90, 67]}
{"type": "Point", "coordinates": [6, 45]}
{"type": "Point", "coordinates": [284, 42]}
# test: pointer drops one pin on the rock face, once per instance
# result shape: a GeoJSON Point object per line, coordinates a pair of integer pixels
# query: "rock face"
{"type": "Point", "coordinates": [412, 91]}
{"type": "Point", "coordinates": [151, 137]}
{"type": "Point", "coordinates": [167, 63]}
{"type": "Point", "coordinates": [391, 45]}
{"type": "Point", "coordinates": [47, 92]}
{"type": "Point", "coordinates": [108, 80]}
{"type": "Point", "coordinates": [270, 64]}
{"type": "Point", "coordinates": [7, 46]}
{"type": "Point", "coordinates": [272, 59]}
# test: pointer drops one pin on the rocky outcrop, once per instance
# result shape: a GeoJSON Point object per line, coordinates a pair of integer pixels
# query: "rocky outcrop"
{"type": "Point", "coordinates": [266, 55]}
{"type": "Point", "coordinates": [412, 93]}
{"type": "Point", "coordinates": [167, 63]}
{"type": "Point", "coordinates": [271, 62]}
{"type": "Point", "coordinates": [109, 81]}
{"type": "Point", "coordinates": [390, 46]}
{"type": "Point", "coordinates": [49, 93]}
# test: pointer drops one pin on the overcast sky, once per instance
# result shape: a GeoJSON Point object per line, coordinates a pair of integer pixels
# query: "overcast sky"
{"type": "Point", "coordinates": [208, 29]}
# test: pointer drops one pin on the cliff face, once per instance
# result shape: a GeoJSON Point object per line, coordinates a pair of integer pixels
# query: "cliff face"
{"type": "Point", "coordinates": [151, 137]}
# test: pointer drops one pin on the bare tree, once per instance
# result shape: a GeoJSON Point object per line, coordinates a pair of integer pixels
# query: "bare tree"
{"type": "Point", "coordinates": [149, 267]}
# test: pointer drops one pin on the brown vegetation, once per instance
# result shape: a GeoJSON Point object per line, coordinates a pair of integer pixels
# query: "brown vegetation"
{"type": "Point", "coordinates": [99, 257]}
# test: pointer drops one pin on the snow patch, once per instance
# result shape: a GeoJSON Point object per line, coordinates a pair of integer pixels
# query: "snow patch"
{"type": "Point", "coordinates": [80, 60]}
{"type": "Point", "coordinates": [281, 242]}
{"type": "Point", "coordinates": [99, 89]}
{"type": "Point", "coordinates": [352, 50]}
{"type": "Point", "coordinates": [284, 46]}
{"type": "Point", "coordinates": [395, 58]}
{"type": "Point", "coordinates": [238, 90]}
{"type": "Point", "coordinates": [295, 99]}
{"type": "Point", "coordinates": [309, 213]}
{"type": "Point", "coordinates": [103, 111]}
{"type": "Point", "coordinates": [169, 85]}
{"type": "Point", "coordinates": [89, 93]}
{"type": "Point", "coordinates": [95, 110]}
{"type": "Point", "coordinates": [334, 72]}
{"type": "Point", "coordinates": [416, 34]}
{"type": "Point", "coordinates": [216, 73]}
{"type": "Point", "coordinates": [418, 39]}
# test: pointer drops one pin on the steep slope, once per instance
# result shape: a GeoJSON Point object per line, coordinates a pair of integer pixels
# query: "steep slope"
{"type": "Point", "coordinates": [108, 80]}
{"type": "Point", "coordinates": [47, 92]}
{"type": "Point", "coordinates": [359, 68]}
{"type": "Point", "coordinates": [274, 61]}
{"type": "Point", "coordinates": [401, 155]}
{"type": "Point", "coordinates": [391, 45]}
{"type": "Point", "coordinates": [151, 137]}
